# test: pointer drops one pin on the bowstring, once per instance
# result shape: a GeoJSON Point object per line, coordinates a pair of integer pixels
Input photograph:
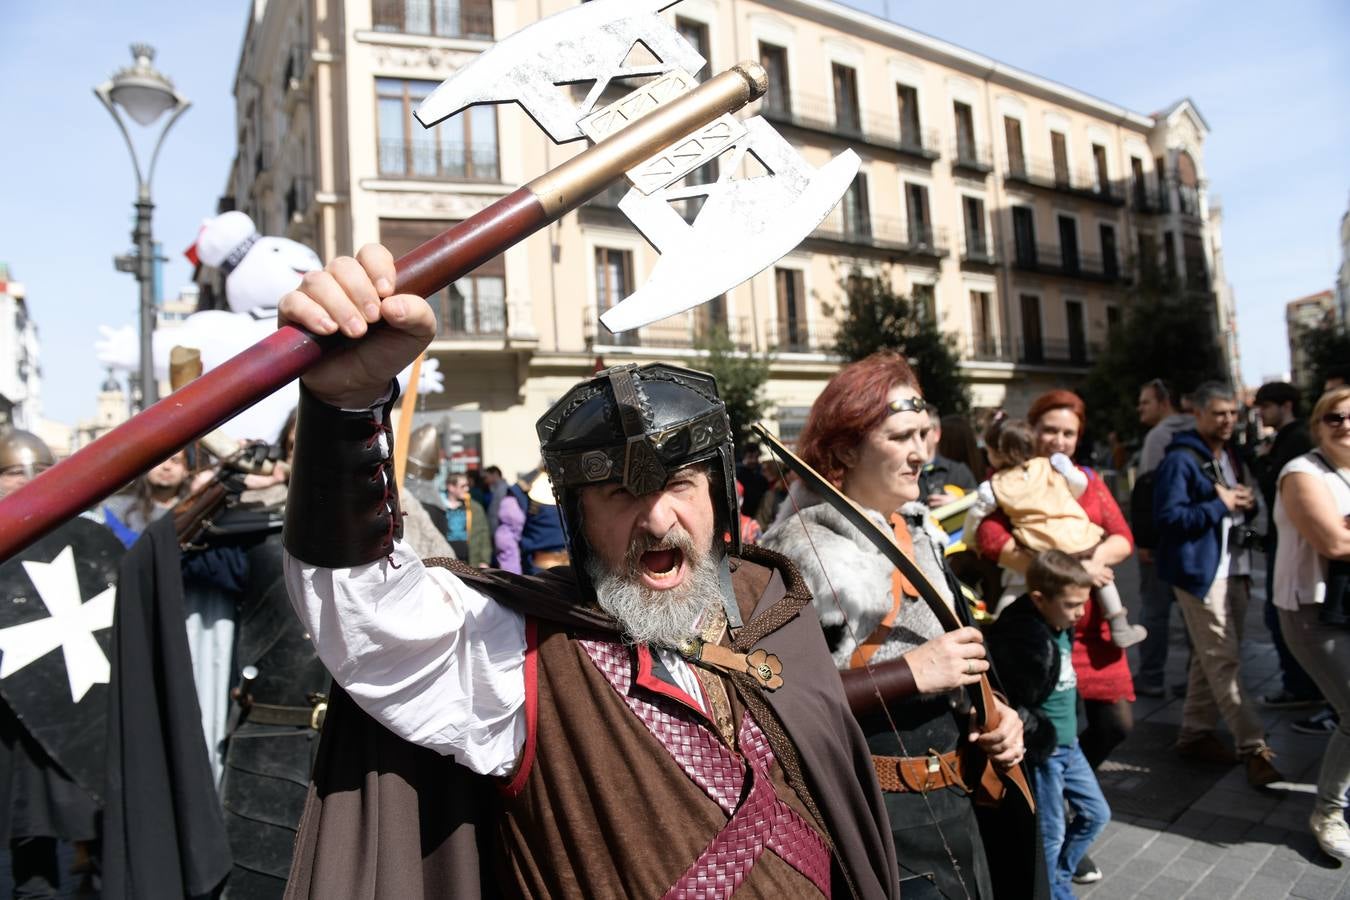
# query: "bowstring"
{"type": "Point", "coordinates": [871, 676]}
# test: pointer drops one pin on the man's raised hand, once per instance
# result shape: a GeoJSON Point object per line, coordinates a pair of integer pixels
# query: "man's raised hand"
{"type": "Point", "coordinates": [349, 296]}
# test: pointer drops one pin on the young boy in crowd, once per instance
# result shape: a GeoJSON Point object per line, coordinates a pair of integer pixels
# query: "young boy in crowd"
{"type": "Point", "coordinates": [1030, 646]}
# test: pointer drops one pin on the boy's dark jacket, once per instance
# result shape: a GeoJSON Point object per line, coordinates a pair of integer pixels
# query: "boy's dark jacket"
{"type": "Point", "coordinates": [1023, 648]}
{"type": "Point", "coordinates": [1189, 516]}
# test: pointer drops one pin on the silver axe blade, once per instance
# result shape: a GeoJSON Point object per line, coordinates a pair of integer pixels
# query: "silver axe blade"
{"type": "Point", "coordinates": [533, 67]}
{"type": "Point", "coordinates": [745, 224]}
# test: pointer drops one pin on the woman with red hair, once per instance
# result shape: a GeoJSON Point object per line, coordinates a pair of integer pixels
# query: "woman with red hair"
{"type": "Point", "coordinates": [1057, 418]}
{"type": "Point", "coordinates": [867, 434]}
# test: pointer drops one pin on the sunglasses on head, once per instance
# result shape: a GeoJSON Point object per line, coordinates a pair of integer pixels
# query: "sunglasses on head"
{"type": "Point", "coordinates": [1335, 419]}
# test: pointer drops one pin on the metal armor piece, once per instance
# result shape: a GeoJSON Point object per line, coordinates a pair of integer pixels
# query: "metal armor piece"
{"type": "Point", "coordinates": [56, 612]}
{"type": "Point", "coordinates": [424, 453]}
{"type": "Point", "coordinates": [637, 425]}
{"type": "Point", "coordinates": [24, 449]}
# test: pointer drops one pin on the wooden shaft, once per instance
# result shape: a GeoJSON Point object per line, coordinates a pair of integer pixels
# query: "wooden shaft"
{"type": "Point", "coordinates": [94, 472]}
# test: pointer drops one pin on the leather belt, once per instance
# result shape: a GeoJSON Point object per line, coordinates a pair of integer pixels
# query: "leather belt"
{"type": "Point", "coordinates": [271, 714]}
{"type": "Point", "coordinates": [920, 774]}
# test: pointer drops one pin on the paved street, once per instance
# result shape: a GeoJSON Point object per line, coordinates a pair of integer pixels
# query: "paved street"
{"type": "Point", "coordinates": [1185, 830]}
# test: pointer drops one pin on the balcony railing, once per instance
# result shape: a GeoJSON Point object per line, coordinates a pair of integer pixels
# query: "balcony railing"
{"type": "Point", "coordinates": [458, 20]}
{"type": "Point", "coordinates": [1044, 174]}
{"type": "Point", "coordinates": [882, 233]}
{"type": "Point", "coordinates": [686, 331]}
{"type": "Point", "coordinates": [299, 197]}
{"type": "Point", "coordinates": [1031, 351]}
{"type": "Point", "coordinates": [1147, 201]}
{"type": "Point", "coordinates": [972, 156]}
{"type": "Point", "coordinates": [978, 249]}
{"type": "Point", "coordinates": [800, 335]}
{"type": "Point", "coordinates": [1047, 352]}
{"type": "Point", "coordinates": [443, 162]}
{"type": "Point", "coordinates": [982, 348]}
{"type": "Point", "coordinates": [815, 113]}
{"type": "Point", "coordinates": [459, 317]}
{"type": "Point", "coordinates": [1048, 259]}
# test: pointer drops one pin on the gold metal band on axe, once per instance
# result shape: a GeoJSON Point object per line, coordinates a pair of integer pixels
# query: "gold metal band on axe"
{"type": "Point", "coordinates": [584, 175]}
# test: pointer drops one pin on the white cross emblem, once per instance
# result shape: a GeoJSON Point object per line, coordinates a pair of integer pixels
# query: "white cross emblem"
{"type": "Point", "coordinates": [70, 626]}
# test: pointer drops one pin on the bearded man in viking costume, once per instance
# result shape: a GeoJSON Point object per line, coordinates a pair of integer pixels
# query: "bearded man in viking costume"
{"type": "Point", "coordinates": [661, 718]}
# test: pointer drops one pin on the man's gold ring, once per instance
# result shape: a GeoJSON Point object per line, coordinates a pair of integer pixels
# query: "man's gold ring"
{"type": "Point", "coordinates": [970, 667]}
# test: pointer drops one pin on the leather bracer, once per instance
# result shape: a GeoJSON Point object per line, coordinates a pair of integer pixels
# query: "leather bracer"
{"type": "Point", "coordinates": [342, 507]}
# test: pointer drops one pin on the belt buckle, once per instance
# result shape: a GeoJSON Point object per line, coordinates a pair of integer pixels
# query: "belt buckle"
{"type": "Point", "coordinates": [319, 712]}
{"type": "Point", "coordinates": [933, 767]}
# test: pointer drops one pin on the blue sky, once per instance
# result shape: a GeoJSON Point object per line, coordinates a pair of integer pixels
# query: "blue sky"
{"type": "Point", "coordinates": [1272, 80]}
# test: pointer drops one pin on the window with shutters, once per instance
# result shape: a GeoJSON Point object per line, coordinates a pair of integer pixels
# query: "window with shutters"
{"type": "Point", "coordinates": [918, 218]}
{"type": "Point", "coordinates": [1059, 153]}
{"type": "Point", "coordinates": [1068, 243]}
{"type": "Point", "coordinates": [965, 131]}
{"type": "Point", "coordinates": [857, 216]}
{"type": "Point", "coordinates": [775, 62]}
{"type": "Point", "coordinates": [1012, 136]}
{"type": "Point", "coordinates": [790, 286]}
{"type": "Point", "coordinates": [1077, 326]}
{"type": "Point", "coordinates": [1137, 183]}
{"type": "Point", "coordinates": [613, 282]}
{"type": "Point", "coordinates": [1103, 176]}
{"type": "Point", "coordinates": [442, 18]}
{"type": "Point", "coordinates": [907, 101]}
{"type": "Point", "coordinates": [977, 244]}
{"type": "Point", "coordinates": [983, 345]}
{"type": "Point", "coordinates": [1033, 347]}
{"type": "Point", "coordinates": [847, 115]}
{"type": "Point", "coordinates": [1110, 258]}
{"type": "Point", "coordinates": [1024, 235]}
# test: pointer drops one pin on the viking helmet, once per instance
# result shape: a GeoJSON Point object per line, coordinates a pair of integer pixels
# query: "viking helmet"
{"type": "Point", "coordinates": [637, 425]}
{"type": "Point", "coordinates": [25, 450]}
{"type": "Point", "coordinates": [424, 453]}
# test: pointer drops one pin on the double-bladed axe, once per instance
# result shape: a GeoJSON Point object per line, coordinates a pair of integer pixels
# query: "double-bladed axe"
{"type": "Point", "coordinates": [655, 136]}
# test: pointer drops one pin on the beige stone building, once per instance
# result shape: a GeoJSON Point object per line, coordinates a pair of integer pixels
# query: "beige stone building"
{"type": "Point", "coordinates": [1019, 210]}
{"type": "Point", "coordinates": [1301, 316]}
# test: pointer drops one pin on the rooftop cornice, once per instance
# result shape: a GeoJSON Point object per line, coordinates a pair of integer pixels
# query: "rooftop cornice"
{"type": "Point", "coordinates": [937, 50]}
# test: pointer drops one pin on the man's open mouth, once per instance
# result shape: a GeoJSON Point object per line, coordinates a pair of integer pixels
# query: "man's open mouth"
{"type": "Point", "coordinates": [661, 569]}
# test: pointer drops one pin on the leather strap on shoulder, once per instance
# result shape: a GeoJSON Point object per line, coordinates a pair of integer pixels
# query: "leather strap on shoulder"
{"type": "Point", "coordinates": [342, 509]}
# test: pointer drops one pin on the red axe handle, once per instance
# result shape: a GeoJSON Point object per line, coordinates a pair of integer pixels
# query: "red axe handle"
{"type": "Point", "coordinates": [86, 477]}
{"type": "Point", "coordinates": [107, 464]}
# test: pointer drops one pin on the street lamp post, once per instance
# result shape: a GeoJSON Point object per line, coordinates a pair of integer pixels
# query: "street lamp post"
{"type": "Point", "coordinates": [144, 94]}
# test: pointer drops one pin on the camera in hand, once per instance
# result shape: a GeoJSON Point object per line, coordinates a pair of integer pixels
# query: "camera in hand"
{"type": "Point", "coordinates": [1242, 536]}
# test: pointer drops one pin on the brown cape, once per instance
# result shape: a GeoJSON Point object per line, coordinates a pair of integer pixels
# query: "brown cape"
{"type": "Point", "coordinates": [386, 819]}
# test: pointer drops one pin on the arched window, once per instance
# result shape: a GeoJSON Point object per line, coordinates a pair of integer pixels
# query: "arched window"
{"type": "Point", "coordinates": [1188, 184]}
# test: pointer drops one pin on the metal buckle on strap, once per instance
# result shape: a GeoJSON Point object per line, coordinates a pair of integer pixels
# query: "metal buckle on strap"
{"type": "Point", "coordinates": [933, 768]}
{"type": "Point", "coordinates": [319, 712]}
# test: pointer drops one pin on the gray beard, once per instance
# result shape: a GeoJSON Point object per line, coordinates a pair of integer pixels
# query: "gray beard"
{"type": "Point", "coordinates": [658, 618]}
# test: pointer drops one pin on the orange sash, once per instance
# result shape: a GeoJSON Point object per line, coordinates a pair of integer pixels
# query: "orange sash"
{"type": "Point", "coordinates": [900, 589]}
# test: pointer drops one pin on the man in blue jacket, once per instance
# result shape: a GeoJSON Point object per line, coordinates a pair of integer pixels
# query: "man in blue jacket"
{"type": "Point", "coordinates": [1202, 509]}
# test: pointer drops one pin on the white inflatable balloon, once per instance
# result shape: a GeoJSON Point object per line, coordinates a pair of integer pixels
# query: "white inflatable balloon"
{"type": "Point", "coordinates": [258, 270]}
